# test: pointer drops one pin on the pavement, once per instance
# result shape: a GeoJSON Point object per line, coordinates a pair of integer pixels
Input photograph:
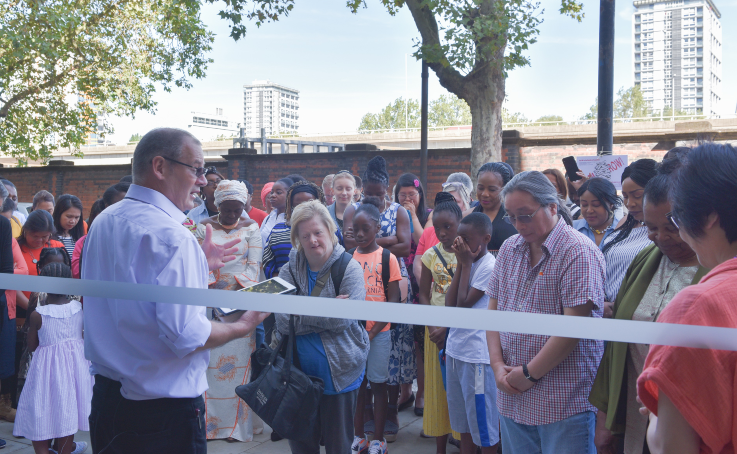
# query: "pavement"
{"type": "Point", "coordinates": [408, 441]}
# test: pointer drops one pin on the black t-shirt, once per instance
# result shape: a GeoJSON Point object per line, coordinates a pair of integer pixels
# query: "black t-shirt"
{"type": "Point", "coordinates": [501, 230]}
{"type": "Point", "coordinates": [211, 213]}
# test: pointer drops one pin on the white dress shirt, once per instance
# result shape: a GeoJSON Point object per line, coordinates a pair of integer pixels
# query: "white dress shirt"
{"type": "Point", "coordinates": [271, 220]}
{"type": "Point", "coordinates": [148, 347]}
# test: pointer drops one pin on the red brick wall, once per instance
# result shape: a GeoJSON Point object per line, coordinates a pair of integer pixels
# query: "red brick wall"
{"type": "Point", "coordinates": [89, 182]}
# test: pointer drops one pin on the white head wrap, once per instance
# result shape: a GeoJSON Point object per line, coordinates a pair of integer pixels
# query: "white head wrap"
{"type": "Point", "coordinates": [231, 190]}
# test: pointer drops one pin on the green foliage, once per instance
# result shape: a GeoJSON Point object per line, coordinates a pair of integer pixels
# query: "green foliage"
{"type": "Point", "coordinates": [593, 113]}
{"type": "Point", "coordinates": [630, 103]}
{"type": "Point", "coordinates": [396, 115]}
{"type": "Point", "coordinates": [135, 138]}
{"type": "Point", "coordinates": [65, 65]}
{"type": "Point", "coordinates": [546, 119]}
{"type": "Point", "coordinates": [510, 118]}
{"type": "Point", "coordinates": [448, 110]}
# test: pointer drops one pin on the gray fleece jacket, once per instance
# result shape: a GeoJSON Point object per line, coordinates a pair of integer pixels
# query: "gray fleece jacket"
{"type": "Point", "coordinates": [345, 341]}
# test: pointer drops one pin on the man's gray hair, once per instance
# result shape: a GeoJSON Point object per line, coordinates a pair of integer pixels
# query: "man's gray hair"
{"type": "Point", "coordinates": [463, 178]}
{"type": "Point", "coordinates": [3, 193]}
{"type": "Point", "coordinates": [540, 188]}
{"type": "Point", "coordinates": [165, 142]}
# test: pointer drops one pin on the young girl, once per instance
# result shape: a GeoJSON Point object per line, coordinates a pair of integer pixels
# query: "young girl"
{"type": "Point", "coordinates": [366, 224]}
{"type": "Point", "coordinates": [278, 198]}
{"type": "Point", "coordinates": [68, 221]}
{"type": "Point", "coordinates": [439, 265]}
{"type": "Point", "coordinates": [57, 396]}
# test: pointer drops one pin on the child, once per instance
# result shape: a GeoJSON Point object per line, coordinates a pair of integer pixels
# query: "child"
{"type": "Point", "coordinates": [439, 264]}
{"type": "Point", "coordinates": [366, 225]}
{"type": "Point", "coordinates": [470, 382]}
{"type": "Point", "coordinates": [57, 396]}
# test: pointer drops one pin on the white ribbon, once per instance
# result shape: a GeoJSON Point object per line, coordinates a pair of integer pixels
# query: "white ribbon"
{"type": "Point", "coordinates": [517, 322]}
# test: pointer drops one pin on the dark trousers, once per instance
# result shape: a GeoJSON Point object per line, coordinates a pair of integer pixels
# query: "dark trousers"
{"type": "Point", "coordinates": [159, 426]}
{"type": "Point", "coordinates": [334, 426]}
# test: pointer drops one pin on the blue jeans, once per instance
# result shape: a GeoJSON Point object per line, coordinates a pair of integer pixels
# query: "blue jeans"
{"type": "Point", "coordinates": [260, 335]}
{"type": "Point", "coordinates": [574, 435]}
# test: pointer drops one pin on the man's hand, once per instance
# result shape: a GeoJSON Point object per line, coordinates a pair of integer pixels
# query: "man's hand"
{"type": "Point", "coordinates": [253, 318]}
{"type": "Point", "coordinates": [516, 379]}
{"type": "Point", "coordinates": [218, 255]}
{"type": "Point", "coordinates": [500, 375]}
{"type": "Point", "coordinates": [608, 309]}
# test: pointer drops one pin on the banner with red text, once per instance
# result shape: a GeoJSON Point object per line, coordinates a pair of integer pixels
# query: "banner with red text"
{"type": "Point", "coordinates": [607, 167]}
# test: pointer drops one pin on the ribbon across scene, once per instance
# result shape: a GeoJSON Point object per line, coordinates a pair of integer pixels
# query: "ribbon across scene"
{"type": "Point", "coordinates": [517, 322]}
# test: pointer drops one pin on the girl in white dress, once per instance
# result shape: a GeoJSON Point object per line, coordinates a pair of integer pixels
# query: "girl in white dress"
{"type": "Point", "coordinates": [57, 396]}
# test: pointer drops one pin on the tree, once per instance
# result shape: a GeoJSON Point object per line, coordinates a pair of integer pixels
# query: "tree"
{"type": "Point", "coordinates": [396, 115]}
{"type": "Point", "coordinates": [470, 45]}
{"type": "Point", "coordinates": [547, 119]}
{"type": "Point", "coordinates": [65, 65]}
{"type": "Point", "coordinates": [511, 118]}
{"type": "Point", "coordinates": [135, 138]}
{"type": "Point", "coordinates": [593, 113]}
{"type": "Point", "coordinates": [449, 110]}
{"type": "Point", "coordinates": [630, 103]}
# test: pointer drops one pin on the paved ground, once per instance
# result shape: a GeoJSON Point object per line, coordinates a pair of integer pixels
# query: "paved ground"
{"type": "Point", "coordinates": [408, 441]}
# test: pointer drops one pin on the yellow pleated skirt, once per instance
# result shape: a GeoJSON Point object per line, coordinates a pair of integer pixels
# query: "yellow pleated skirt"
{"type": "Point", "coordinates": [435, 421]}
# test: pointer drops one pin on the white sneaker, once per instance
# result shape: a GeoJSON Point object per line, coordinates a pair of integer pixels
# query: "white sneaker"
{"type": "Point", "coordinates": [378, 447]}
{"type": "Point", "coordinates": [359, 446]}
{"type": "Point", "coordinates": [81, 447]}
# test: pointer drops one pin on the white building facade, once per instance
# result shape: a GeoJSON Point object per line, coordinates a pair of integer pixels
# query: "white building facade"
{"type": "Point", "coordinates": [270, 106]}
{"type": "Point", "coordinates": [678, 55]}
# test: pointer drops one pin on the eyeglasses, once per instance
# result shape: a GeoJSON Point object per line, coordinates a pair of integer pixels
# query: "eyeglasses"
{"type": "Point", "coordinates": [672, 219]}
{"type": "Point", "coordinates": [213, 184]}
{"type": "Point", "coordinates": [411, 195]}
{"type": "Point", "coordinates": [198, 171]}
{"type": "Point", "coordinates": [523, 218]}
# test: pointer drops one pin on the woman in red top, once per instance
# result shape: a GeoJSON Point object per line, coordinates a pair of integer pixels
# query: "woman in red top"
{"type": "Point", "coordinates": [36, 235]}
{"type": "Point", "coordinates": [691, 391]}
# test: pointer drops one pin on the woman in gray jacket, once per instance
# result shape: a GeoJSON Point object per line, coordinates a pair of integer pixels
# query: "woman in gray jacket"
{"type": "Point", "coordinates": [330, 348]}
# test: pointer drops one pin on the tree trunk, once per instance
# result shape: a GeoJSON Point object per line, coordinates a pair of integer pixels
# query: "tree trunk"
{"type": "Point", "coordinates": [485, 98]}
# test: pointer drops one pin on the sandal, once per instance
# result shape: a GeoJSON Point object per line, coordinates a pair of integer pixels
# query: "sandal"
{"type": "Point", "coordinates": [422, 435]}
{"type": "Point", "coordinates": [407, 403]}
{"type": "Point", "coordinates": [419, 411]}
{"type": "Point", "coordinates": [390, 431]}
{"type": "Point", "coordinates": [368, 430]}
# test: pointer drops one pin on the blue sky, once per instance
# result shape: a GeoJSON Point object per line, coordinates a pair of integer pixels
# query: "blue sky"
{"type": "Point", "coordinates": [346, 65]}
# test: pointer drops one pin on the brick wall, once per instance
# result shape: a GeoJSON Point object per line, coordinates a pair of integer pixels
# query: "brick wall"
{"type": "Point", "coordinates": [89, 182]}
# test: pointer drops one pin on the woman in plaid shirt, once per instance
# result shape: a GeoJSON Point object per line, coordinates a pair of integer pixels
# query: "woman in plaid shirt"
{"type": "Point", "coordinates": [549, 268]}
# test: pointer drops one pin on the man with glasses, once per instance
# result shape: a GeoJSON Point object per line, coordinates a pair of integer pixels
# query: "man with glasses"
{"type": "Point", "coordinates": [544, 382]}
{"type": "Point", "coordinates": [149, 359]}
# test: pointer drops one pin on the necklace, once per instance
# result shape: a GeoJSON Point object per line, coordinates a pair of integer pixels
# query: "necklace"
{"type": "Point", "coordinates": [599, 232]}
{"type": "Point", "coordinates": [227, 227]}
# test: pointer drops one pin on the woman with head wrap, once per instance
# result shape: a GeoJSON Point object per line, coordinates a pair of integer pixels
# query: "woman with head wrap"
{"type": "Point", "coordinates": [279, 243]}
{"type": "Point", "coordinates": [227, 415]}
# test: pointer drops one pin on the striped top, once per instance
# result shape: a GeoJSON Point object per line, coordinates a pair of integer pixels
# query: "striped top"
{"type": "Point", "coordinates": [619, 257]}
{"type": "Point", "coordinates": [68, 243]}
{"type": "Point", "coordinates": [277, 248]}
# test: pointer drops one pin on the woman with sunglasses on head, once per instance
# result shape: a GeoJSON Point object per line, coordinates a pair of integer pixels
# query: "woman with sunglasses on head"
{"type": "Point", "coordinates": [690, 392]}
{"type": "Point", "coordinates": [655, 276]}
{"type": "Point", "coordinates": [207, 193]}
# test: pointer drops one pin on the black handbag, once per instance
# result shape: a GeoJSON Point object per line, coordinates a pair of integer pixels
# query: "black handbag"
{"type": "Point", "coordinates": [282, 395]}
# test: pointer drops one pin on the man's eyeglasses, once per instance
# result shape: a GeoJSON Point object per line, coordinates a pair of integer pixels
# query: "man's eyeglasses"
{"type": "Point", "coordinates": [198, 171]}
{"type": "Point", "coordinates": [672, 219]}
{"type": "Point", "coordinates": [523, 218]}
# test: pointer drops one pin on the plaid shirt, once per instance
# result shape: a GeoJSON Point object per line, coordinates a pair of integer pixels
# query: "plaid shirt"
{"type": "Point", "coordinates": [570, 273]}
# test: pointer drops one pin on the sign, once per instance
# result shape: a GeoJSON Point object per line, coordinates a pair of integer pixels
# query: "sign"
{"type": "Point", "coordinates": [607, 167]}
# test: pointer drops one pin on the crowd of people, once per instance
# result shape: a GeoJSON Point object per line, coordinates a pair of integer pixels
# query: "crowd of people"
{"type": "Point", "coordinates": [151, 377]}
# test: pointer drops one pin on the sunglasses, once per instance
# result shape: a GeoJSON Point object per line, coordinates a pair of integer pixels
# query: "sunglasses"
{"type": "Point", "coordinates": [198, 171]}
{"type": "Point", "coordinates": [523, 218]}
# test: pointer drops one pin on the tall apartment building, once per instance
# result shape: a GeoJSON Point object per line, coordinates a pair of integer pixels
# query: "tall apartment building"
{"type": "Point", "coordinates": [270, 106]}
{"type": "Point", "coordinates": [678, 55]}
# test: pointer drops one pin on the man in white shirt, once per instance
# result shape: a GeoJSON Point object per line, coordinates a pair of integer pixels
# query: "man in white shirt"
{"type": "Point", "coordinates": [149, 359]}
{"type": "Point", "coordinates": [13, 195]}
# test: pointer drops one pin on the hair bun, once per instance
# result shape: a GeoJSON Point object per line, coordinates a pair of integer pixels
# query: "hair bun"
{"type": "Point", "coordinates": [375, 201]}
{"type": "Point", "coordinates": [376, 171]}
{"type": "Point", "coordinates": [442, 197]}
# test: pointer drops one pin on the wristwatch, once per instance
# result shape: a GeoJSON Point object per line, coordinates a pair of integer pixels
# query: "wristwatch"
{"type": "Point", "coordinates": [527, 374]}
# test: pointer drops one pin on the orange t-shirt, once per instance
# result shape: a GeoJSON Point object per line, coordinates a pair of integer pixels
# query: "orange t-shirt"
{"type": "Point", "coordinates": [33, 254]}
{"type": "Point", "coordinates": [700, 383]}
{"type": "Point", "coordinates": [371, 264]}
{"type": "Point", "coordinates": [19, 267]}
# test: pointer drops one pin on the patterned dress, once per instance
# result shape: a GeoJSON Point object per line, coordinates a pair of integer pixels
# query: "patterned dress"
{"type": "Point", "coordinates": [402, 367]}
{"type": "Point", "coordinates": [226, 415]}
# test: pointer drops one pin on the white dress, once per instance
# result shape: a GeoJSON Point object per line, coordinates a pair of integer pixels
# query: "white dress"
{"type": "Point", "coordinates": [57, 396]}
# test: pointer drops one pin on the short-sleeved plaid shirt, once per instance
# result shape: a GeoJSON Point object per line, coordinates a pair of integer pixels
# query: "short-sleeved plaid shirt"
{"type": "Point", "coordinates": [570, 273]}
